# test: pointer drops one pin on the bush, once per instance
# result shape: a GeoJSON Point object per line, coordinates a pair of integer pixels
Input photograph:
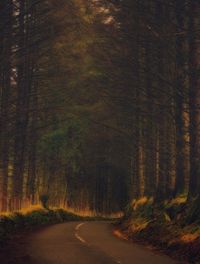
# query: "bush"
{"type": "Point", "coordinates": [16, 222]}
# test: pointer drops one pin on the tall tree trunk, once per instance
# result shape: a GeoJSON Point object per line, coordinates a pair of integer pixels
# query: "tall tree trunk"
{"type": "Point", "coordinates": [22, 108]}
{"type": "Point", "coordinates": [162, 118]}
{"type": "Point", "coordinates": [179, 99]}
{"type": "Point", "coordinates": [150, 157]}
{"type": "Point", "coordinates": [5, 98]}
{"type": "Point", "coordinates": [194, 96]}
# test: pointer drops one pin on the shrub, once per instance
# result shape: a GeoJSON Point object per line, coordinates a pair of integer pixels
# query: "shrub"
{"type": "Point", "coordinates": [19, 221]}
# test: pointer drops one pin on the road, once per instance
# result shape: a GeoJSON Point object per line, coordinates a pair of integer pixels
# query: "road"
{"type": "Point", "coordinates": [86, 243]}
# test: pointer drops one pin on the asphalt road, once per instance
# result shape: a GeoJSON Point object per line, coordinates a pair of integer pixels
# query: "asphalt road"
{"type": "Point", "coordinates": [84, 243]}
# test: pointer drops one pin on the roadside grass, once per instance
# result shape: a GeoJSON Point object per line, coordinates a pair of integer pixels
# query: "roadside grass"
{"type": "Point", "coordinates": [35, 217]}
{"type": "Point", "coordinates": [166, 227]}
{"type": "Point", "coordinates": [27, 219]}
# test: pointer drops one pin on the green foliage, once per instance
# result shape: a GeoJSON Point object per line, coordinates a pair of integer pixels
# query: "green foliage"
{"type": "Point", "coordinates": [36, 218]}
{"type": "Point", "coordinates": [18, 222]}
{"type": "Point", "coordinates": [193, 212]}
{"type": "Point", "coordinates": [63, 144]}
{"type": "Point", "coordinates": [143, 208]}
{"type": "Point", "coordinates": [171, 226]}
{"type": "Point", "coordinates": [175, 210]}
{"type": "Point", "coordinates": [67, 216]}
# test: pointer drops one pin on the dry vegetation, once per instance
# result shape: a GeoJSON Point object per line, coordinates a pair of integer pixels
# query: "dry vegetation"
{"type": "Point", "coordinates": [23, 221]}
{"type": "Point", "coordinates": [166, 227]}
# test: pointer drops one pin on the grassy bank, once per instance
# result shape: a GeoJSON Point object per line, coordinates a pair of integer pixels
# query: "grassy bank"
{"type": "Point", "coordinates": [16, 222]}
{"type": "Point", "coordinates": [169, 227]}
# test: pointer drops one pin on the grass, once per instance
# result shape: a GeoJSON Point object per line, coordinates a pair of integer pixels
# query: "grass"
{"type": "Point", "coordinates": [36, 216]}
{"type": "Point", "coordinates": [164, 227]}
{"type": "Point", "coordinates": [27, 219]}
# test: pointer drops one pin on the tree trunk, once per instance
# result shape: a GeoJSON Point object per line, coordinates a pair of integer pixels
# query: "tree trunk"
{"type": "Point", "coordinates": [179, 99]}
{"type": "Point", "coordinates": [194, 96]}
{"type": "Point", "coordinates": [5, 98]}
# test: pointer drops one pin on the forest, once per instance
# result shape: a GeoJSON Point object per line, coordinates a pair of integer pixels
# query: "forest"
{"type": "Point", "coordinates": [99, 103]}
{"type": "Point", "coordinates": [100, 110]}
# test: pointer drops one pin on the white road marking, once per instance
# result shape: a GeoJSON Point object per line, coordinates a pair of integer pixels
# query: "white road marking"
{"type": "Point", "coordinates": [77, 235]}
{"type": "Point", "coordinates": [83, 241]}
{"type": "Point", "coordinates": [78, 226]}
{"type": "Point", "coordinates": [80, 238]}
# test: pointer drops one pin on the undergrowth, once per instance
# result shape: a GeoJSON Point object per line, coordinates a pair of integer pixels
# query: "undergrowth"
{"type": "Point", "coordinates": [172, 226]}
{"type": "Point", "coordinates": [16, 222]}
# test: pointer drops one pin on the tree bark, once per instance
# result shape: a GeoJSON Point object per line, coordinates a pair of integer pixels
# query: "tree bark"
{"type": "Point", "coordinates": [194, 96]}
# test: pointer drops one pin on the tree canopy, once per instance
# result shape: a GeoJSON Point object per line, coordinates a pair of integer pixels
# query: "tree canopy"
{"type": "Point", "coordinates": [99, 102]}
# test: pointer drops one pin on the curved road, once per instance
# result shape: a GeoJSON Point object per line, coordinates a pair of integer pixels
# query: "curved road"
{"type": "Point", "coordinates": [86, 243]}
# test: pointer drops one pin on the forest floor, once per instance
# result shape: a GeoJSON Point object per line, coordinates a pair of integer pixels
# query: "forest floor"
{"type": "Point", "coordinates": [166, 228]}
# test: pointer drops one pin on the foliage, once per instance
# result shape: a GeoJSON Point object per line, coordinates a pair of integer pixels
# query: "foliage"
{"type": "Point", "coordinates": [102, 104]}
{"type": "Point", "coordinates": [167, 228]}
{"type": "Point", "coordinates": [20, 222]}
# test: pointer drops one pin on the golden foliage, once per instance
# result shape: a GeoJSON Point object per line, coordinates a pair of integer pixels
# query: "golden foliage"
{"type": "Point", "coordinates": [140, 202]}
{"type": "Point", "coordinates": [187, 238]}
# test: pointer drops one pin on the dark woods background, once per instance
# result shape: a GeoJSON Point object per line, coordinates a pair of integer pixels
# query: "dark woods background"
{"type": "Point", "coordinates": [99, 102]}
